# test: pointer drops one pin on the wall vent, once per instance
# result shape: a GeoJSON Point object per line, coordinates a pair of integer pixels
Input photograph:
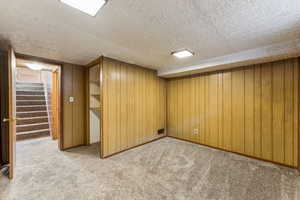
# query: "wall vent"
{"type": "Point", "coordinates": [160, 131]}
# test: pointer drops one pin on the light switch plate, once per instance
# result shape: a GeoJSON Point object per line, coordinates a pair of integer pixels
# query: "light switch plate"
{"type": "Point", "coordinates": [71, 99]}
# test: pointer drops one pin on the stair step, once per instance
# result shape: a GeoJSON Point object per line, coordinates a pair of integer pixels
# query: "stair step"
{"type": "Point", "coordinates": [29, 88]}
{"type": "Point", "coordinates": [30, 97]}
{"type": "Point", "coordinates": [27, 125]}
{"type": "Point", "coordinates": [32, 114]}
{"type": "Point", "coordinates": [33, 134]}
{"type": "Point", "coordinates": [29, 92]}
{"type": "Point", "coordinates": [31, 103]}
{"type": "Point", "coordinates": [32, 127]}
{"type": "Point", "coordinates": [32, 120]}
{"type": "Point", "coordinates": [31, 108]}
{"type": "Point", "coordinates": [28, 83]}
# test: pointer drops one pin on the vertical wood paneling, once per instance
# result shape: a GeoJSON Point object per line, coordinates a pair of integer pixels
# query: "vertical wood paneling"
{"type": "Point", "coordinates": [67, 108]}
{"type": "Point", "coordinates": [238, 110]}
{"type": "Point", "coordinates": [139, 102]}
{"type": "Point", "coordinates": [74, 117]}
{"type": "Point", "coordinates": [213, 110]}
{"type": "Point", "coordinates": [170, 108]}
{"type": "Point", "coordinates": [220, 110]}
{"type": "Point", "coordinates": [206, 110]}
{"type": "Point", "coordinates": [257, 111]}
{"type": "Point", "coordinates": [194, 107]}
{"type": "Point", "coordinates": [180, 107]}
{"type": "Point", "coordinates": [144, 111]}
{"type": "Point", "coordinates": [278, 111]}
{"type": "Point", "coordinates": [289, 110]}
{"type": "Point", "coordinates": [186, 108]}
{"type": "Point", "coordinates": [123, 109]}
{"type": "Point", "coordinates": [251, 110]}
{"type": "Point", "coordinates": [227, 112]}
{"type": "Point", "coordinates": [201, 107]}
{"type": "Point", "coordinates": [175, 107]}
{"type": "Point", "coordinates": [134, 106]}
{"type": "Point", "coordinates": [296, 108]}
{"type": "Point", "coordinates": [118, 108]}
{"type": "Point", "coordinates": [266, 107]}
{"type": "Point", "coordinates": [79, 123]}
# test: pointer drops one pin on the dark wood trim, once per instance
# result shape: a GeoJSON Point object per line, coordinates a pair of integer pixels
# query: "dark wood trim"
{"type": "Point", "coordinates": [166, 109]}
{"type": "Point", "coordinates": [61, 134]}
{"type": "Point", "coordinates": [101, 109]}
{"type": "Point", "coordinates": [198, 143]}
{"type": "Point", "coordinates": [81, 145]}
{"type": "Point", "coordinates": [87, 91]}
{"type": "Point", "coordinates": [94, 62]}
{"type": "Point", "coordinates": [61, 104]}
{"type": "Point", "coordinates": [298, 115]}
{"type": "Point", "coordinates": [133, 147]}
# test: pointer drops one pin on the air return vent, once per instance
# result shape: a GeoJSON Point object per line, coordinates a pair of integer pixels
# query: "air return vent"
{"type": "Point", "coordinates": [160, 131]}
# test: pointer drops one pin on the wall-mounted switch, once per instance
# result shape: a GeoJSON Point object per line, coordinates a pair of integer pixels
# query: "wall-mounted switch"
{"type": "Point", "coordinates": [71, 99]}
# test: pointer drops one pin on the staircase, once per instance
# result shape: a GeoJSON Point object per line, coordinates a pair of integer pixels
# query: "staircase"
{"type": "Point", "coordinates": [31, 111]}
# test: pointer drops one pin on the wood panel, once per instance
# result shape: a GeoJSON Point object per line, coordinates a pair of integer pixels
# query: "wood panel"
{"type": "Point", "coordinates": [79, 117]}
{"type": "Point", "coordinates": [73, 113]}
{"type": "Point", "coordinates": [251, 110]}
{"type": "Point", "coordinates": [55, 105]}
{"type": "Point", "coordinates": [134, 106]}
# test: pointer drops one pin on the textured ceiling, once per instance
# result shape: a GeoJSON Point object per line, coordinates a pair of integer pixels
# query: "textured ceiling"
{"type": "Point", "coordinates": [145, 32]}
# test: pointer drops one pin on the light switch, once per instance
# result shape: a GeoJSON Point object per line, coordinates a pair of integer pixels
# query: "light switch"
{"type": "Point", "coordinates": [71, 99]}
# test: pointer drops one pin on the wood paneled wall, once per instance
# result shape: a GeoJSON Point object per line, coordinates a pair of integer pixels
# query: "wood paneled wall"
{"type": "Point", "coordinates": [133, 108]}
{"type": "Point", "coordinates": [73, 113]}
{"type": "Point", "coordinates": [250, 110]}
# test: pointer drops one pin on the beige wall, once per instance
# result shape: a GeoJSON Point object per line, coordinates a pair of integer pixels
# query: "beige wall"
{"type": "Point", "coordinates": [27, 75]}
{"type": "Point", "coordinates": [134, 106]}
{"type": "Point", "coordinates": [251, 110]}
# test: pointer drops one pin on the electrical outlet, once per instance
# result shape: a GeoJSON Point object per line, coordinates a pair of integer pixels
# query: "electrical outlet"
{"type": "Point", "coordinates": [196, 131]}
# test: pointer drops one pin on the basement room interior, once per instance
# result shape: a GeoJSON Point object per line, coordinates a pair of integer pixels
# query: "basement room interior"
{"type": "Point", "coordinates": [150, 100]}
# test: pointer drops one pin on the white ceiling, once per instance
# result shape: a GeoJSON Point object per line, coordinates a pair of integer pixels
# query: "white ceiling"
{"type": "Point", "coordinates": [145, 32]}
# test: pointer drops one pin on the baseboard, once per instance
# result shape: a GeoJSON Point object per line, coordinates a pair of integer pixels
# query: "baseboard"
{"type": "Point", "coordinates": [241, 154]}
{"type": "Point", "coordinates": [103, 157]}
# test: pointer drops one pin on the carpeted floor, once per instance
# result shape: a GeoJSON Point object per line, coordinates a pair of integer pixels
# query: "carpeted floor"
{"type": "Point", "coordinates": [167, 169]}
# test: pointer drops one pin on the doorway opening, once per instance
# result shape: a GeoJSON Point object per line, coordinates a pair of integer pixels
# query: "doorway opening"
{"type": "Point", "coordinates": [37, 100]}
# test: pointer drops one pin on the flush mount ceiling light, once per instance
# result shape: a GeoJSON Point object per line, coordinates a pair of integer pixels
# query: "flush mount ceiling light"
{"type": "Point", "coordinates": [34, 66]}
{"type": "Point", "coordinates": [90, 7]}
{"type": "Point", "coordinates": [182, 53]}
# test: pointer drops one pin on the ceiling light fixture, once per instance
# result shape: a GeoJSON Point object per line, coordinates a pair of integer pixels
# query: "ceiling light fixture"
{"type": "Point", "coordinates": [34, 66]}
{"type": "Point", "coordinates": [90, 7]}
{"type": "Point", "coordinates": [182, 53]}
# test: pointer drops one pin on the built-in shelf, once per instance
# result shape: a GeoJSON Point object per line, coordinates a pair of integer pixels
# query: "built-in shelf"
{"type": "Point", "coordinates": [96, 96]}
{"type": "Point", "coordinates": [95, 108]}
{"type": "Point", "coordinates": [95, 82]}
